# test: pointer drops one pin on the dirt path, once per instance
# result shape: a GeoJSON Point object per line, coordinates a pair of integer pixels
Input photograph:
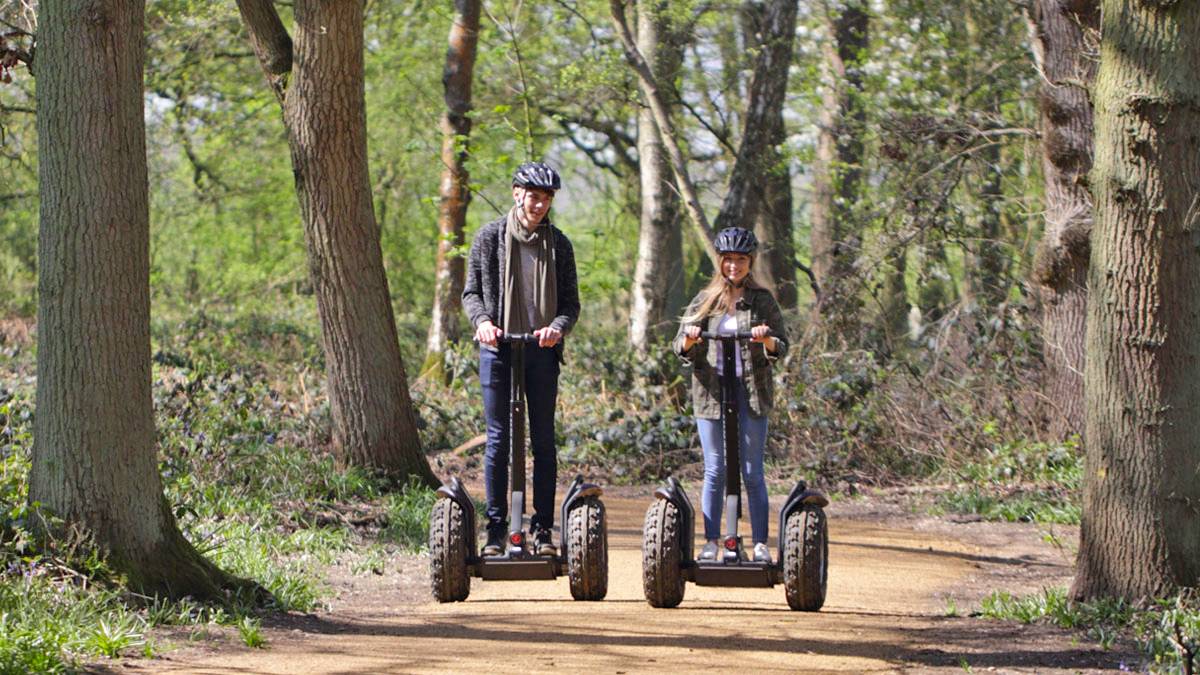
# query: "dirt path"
{"type": "Point", "coordinates": [886, 612]}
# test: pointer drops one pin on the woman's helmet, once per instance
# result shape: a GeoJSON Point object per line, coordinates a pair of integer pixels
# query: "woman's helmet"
{"type": "Point", "coordinates": [735, 240]}
{"type": "Point", "coordinates": [537, 175]}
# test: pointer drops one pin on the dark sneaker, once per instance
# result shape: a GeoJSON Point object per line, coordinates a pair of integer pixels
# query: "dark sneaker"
{"type": "Point", "coordinates": [494, 545]}
{"type": "Point", "coordinates": [543, 544]}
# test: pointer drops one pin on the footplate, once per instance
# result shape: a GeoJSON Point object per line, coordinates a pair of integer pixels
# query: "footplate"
{"type": "Point", "coordinates": [743, 574]}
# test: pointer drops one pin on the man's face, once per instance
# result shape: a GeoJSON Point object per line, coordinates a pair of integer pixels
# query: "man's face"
{"type": "Point", "coordinates": [532, 203]}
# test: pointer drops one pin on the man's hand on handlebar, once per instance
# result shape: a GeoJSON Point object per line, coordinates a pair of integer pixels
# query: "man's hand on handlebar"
{"type": "Point", "coordinates": [487, 333]}
{"type": "Point", "coordinates": [548, 336]}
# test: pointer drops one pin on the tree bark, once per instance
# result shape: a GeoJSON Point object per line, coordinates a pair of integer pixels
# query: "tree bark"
{"type": "Point", "coordinates": [450, 269]}
{"type": "Point", "coordinates": [1141, 499]}
{"type": "Point", "coordinates": [776, 268]}
{"type": "Point", "coordinates": [658, 284]}
{"type": "Point", "coordinates": [835, 238]}
{"type": "Point", "coordinates": [95, 463]}
{"type": "Point", "coordinates": [1066, 52]}
{"type": "Point", "coordinates": [374, 423]}
{"type": "Point", "coordinates": [662, 118]}
{"type": "Point", "coordinates": [760, 173]}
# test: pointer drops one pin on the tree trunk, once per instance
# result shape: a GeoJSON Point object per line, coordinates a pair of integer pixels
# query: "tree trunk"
{"type": "Point", "coordinates": [836, 239]}
{"type": "Point", "coordinates": [776, 267]}
{"type": "Point", "coordinates": [374, 423]}
{"type": "Point", "coordinates": [652, 92]}
{"type": "Point", "coordinates": [95, 462]}
{"type": "Point", "coordinates": [759, 185]}
{"type": "Point", "coordinates": [1067, 35]}
{"type": "Point", "coordinates": [986, 280]}
{"type": "Point", "coordinates": [934, 287]}
{"type": "Point", "coordinates": [893, 312]}
{"type": "Point", "coordinates": [657, 294]}
{"type": "Point", "coordinates": [450, 270]}
{"type": "Point", "coordinates": [1141, 499]}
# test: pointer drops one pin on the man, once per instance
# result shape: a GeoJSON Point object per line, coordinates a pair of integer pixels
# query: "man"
{"type": "Point", "coordinates": [521, 279]}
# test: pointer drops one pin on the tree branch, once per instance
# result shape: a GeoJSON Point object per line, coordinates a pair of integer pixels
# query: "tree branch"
{"type": "Point", "coordinates": [666, 130]}
{"type": "Point", "coordinates": [270, 41]}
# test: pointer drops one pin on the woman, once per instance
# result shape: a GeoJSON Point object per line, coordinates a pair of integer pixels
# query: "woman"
{"type": "Point", "coordinates": [732, 302]}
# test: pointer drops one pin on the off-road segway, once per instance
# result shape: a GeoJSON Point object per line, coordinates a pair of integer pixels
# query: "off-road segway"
{"type": "Point", "coordinates": [667, 539]}
{"type": "Point", "coordinates": [453, 557]}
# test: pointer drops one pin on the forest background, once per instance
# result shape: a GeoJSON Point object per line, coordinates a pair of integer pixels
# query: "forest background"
{"type": "Point", "coordinates": [898, 181]}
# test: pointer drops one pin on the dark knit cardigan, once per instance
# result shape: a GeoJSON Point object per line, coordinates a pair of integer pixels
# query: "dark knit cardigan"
{"type": "Point", "coordinates": [482, 295]}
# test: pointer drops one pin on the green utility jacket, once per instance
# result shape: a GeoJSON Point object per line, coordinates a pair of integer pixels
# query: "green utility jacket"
{"type": "Point", "coordinates": [756, 307]}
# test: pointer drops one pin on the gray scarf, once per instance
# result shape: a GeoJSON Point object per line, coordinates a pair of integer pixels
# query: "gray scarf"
{"type": "Point", "coordinates": [545, 291]}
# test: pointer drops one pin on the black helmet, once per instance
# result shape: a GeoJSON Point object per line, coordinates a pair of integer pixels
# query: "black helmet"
{"type": "Point", "coordinates": [537, 175]}
{"type": "Point", "coordinates": [735, 240]}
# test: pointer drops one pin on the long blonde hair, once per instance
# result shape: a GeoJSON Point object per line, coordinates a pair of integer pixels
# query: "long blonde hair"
{"type": "Point", "coordinates": [717, 297]}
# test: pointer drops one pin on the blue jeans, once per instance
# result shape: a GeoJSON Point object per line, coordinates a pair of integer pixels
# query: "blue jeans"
{"type": "Point", "coordinates": [541, 397]}
{"type": "Point", "coordinates": [753, 435]}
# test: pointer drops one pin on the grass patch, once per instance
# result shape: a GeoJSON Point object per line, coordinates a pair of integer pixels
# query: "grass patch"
{"type": "Point", "coordinates": [408, 516]}
{"type": "Point", "coordinates": [1027, 482]}
{"type": "Point", "coordinates": [1167, 631]}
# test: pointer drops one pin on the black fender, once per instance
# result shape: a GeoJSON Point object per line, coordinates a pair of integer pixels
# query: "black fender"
{"type": "Point", "coordinates": [800, 496]}
{"type": "Point", "coordinates": [673, 492]}
{"type": "Point", "coordinates": [576, 491]}
{"type": "Point", "coordinates": [455, 490]}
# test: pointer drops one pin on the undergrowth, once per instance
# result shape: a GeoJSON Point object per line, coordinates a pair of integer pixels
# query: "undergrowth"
{"type": "Point", "coordinates": [243, 439]}
{"type": "Point", "coordinates": [1166, 631]}
{"type": "Point", "coordinates": [1014, 481]}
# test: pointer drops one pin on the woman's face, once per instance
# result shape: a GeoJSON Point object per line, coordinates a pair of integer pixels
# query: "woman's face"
{"type": "Point", "coordinates": [735, 266]}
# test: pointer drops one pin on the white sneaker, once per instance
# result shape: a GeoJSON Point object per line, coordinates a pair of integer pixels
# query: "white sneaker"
{"type": "Point", "coordinates": [709, 552]}
{"type": "Point", "coordinates": [762, 553]}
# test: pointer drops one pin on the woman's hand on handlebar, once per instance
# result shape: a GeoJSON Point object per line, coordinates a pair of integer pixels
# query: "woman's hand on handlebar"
{"type": "Point", "coordinates": [487, 333]}
{"type": "Point", "coordinates": [759, 334]}
{"type": "Point", "coordinates": [691, 335]}
{"type": "Point", "coordinates": [548, 336]}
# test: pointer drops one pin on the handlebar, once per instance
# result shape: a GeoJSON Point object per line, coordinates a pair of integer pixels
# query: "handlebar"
{"type": "Point", "coordinates": [740, 335]}
{"type": "Point", "coordinates": [526, 338]}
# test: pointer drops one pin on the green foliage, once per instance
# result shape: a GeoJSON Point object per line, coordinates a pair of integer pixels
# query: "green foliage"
{"type": "Point", "coordinates": [408, 516]}
{"type": "Point", "coordinates": [1013, 481]}
{"type": "Point", "coordinates": [249, 629]}
{"type": "Point", "coordinates": [1167, 631]}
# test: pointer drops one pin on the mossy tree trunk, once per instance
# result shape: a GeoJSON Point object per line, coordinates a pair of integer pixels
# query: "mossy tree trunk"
{"type": "Point", "coordinates": [374, 422]}
{"type": "Point", "coordinates": [1141, 500]}
{"type": "Point", "coordinates": [1068, 36]}
{"type": "Point", "coordinates": [450, 270]}
{"type": "Point", "coordinates": [95, 463]}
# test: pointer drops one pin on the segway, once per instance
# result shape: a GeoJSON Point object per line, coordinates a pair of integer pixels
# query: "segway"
{"type": "Point", "coordinates": [453, 557]}
{"type": "Point", "coordinates": [667, 538]}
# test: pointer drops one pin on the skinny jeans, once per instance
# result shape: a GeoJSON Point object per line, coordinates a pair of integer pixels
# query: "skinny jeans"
{"type": "Point", "coordinates": [541, 398]}
{"type": "Point", "coordinates": [752, 432]}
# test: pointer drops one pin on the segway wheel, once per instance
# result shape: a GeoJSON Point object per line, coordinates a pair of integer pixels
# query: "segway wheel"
{"type": "Point", "coordinates": [662, 558]}
{"type": "Point", "coordinates": [806, 559]}
{"type": "Point", "coordinates": [448, 552]}
{"type": "Point", "coordinates": [587, 550]}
